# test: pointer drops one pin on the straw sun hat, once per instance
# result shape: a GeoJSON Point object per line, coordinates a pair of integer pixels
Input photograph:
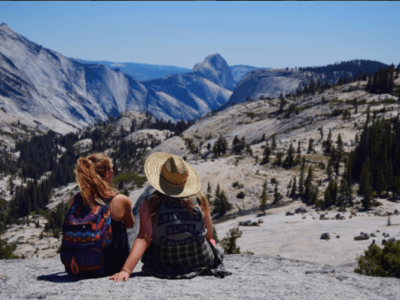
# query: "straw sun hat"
{"type": "Point", "coordinates": [171, 175]}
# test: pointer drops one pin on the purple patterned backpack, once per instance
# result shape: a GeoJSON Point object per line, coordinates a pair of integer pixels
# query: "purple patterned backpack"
{"type": "Point", "coordinates": [85, 234]}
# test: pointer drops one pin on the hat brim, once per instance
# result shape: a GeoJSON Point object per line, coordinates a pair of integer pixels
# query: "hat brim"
{"type": "Point", "coordinates": [152, 169]}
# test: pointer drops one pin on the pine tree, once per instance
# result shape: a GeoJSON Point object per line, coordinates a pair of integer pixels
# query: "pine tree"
{"type": "Point", "coordinates": [266, 153]}
{"type": "Point", "coordinates": [277, 195]}
{"type": "Point", "coordinates": [289, 160]}
{"type": "Point", "coordinates": [308, 188]}
{"type": "Point", "coordinates": [301, 178]}
{"type": "Point", "coordinates": [273, 144]}
{"type": "Point", "coordinates": [209, 191]}
{"type": "Point", "coordinates": [228, 243]}
{"type": "Point", "coordinates": [264, 198]}
{"type": "Point", "coordinates": [294, 188]}
{"type": "Point", "coordinates": [310, 145]}
{"type": "Point", "coordinates": [282, 103]}
{"type": "Point", "coordinates": [340, 147]}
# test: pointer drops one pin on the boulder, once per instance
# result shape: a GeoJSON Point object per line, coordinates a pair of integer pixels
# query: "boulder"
{"type": "Point", "coordinates": [359, 238]}
{"type": "Point", "coordinates": [396, 212]}
{"type": "Point", "coordinates": [322, 216]}
{"type": "Point", "coordinates": [289, 213]}
{"type": "Point", "coordinates": [245, 223]}
{"type": "Point", "coordinates": [325, 236]}
{"type": "Point", "coordinates": [300, 210]}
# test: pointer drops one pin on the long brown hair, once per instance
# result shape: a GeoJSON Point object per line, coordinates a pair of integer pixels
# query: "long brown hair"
{"type": "Point", "coordinates": [156, 198]}
{"type": "Point", "coordinates": [89, 172]}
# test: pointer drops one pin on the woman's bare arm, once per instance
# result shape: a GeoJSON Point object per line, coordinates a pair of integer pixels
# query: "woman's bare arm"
{"type": "Point", "coordinates": [139, 246]}
{"type": "Point", "coordinates": [208, 223]}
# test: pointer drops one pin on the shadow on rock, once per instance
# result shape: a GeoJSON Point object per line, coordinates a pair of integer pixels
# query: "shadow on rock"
{"type": "Point", "coordinates": [59, 277]}
{"type": "Point", "coordinates": [65, 277]}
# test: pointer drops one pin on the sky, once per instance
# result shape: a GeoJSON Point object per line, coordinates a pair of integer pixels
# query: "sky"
{"type": "Point", "coordinates": [260, 34]}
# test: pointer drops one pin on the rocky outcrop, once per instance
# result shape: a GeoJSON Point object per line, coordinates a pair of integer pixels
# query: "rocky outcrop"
{"type": "Point", "coordinates": [253, 277]}
{"type": "Point", "coordinates": [215, 69]}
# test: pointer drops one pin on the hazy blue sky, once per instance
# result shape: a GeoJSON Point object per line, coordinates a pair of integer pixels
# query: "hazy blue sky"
{"type": "Point", "coordinates": [261, 34]}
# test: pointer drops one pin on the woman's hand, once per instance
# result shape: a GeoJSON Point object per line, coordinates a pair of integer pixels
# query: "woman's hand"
{"type": "Point", "coordinates": [121, 276]}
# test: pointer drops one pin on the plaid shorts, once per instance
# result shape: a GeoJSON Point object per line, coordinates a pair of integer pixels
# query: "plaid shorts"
{"type": "Point", "coordinates": [183, 262]}
{"type": "Point", "coordinates": [196, 254]}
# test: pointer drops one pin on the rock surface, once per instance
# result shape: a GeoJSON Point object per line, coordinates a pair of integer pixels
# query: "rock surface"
{"type": "Point", "coordinates": [254, 277]}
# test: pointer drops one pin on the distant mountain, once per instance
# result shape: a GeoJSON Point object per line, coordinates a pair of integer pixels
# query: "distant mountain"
{"type": "Point", "coordinates": [141, 72]}
{"type": "Point", "coordinates": [271, 82]}
{"type": "Point", "coordinates": [215, 68]}
{"type": "Point", "coordinates": [204, 89]}
{"type": "Point", "coordinates": [45, 88]}
{"type": "Point", "coordinates": [240, 71]}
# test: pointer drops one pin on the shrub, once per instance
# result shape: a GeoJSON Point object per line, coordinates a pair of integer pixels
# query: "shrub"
{"type": "Point", "coordinates": [6, 250]}
{"type": "Point", "coordinates": [237, 185]}
{"type": "Point", "coordinates": [274, 181]}
{"type": "Point", "coordinates": [129, 177]}
{"type": "Point", "coordinates": [241, 195]}
{"type": "Point", "coordinates": [228, 243]}
{"type": "Point", "coordinates": [380, 262]}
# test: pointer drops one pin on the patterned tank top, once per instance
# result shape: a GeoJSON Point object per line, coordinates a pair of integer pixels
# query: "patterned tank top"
{"type": "Point", "coordinates": [175, 226]}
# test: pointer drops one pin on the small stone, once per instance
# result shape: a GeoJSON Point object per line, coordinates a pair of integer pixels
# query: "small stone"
{"type": "Point", "coordinates": [289, 213]}
{"type": "Point", "coordinates": [359, 238]}
{"type": "Point", "coordinates": [338, 236]}
{"type": "Point", "coordinates": [322, 216]}
{"type": "Point", "coordinates": [304, 217]}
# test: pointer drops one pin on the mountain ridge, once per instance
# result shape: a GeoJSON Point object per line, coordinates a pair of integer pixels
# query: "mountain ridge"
{"type": "Point", "coordinates": [38, 85]}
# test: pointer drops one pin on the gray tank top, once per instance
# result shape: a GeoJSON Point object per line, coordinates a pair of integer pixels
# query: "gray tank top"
{"type": "Point", "coordinates": [176, 226]}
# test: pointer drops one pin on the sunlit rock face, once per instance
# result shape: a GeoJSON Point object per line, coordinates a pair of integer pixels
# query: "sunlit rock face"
{"type": "Point", "coordinates": [215, 69]}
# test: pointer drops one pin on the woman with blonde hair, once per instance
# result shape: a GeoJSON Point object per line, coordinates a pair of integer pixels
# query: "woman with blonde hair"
{"type": "Point", "coordinates": [94, 175]}
{"type": "Point", "coordinates": [175, 235]}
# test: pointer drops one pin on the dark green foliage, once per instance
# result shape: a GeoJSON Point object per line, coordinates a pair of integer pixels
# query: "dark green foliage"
{"type": "Point", "coordinates": [273, 144]}
{"type": "Point", "coordinates": [375, 162]}
{"type": "Point", "coordinates": [282, 103]}
{"type": "Point", "coordinates": [301, 178]}
{"type": "Point", "coordinates": [382, 81]}
{"type": "Point", "coordinates": [330, 196]}
{"type": "Point", "coordinates": [264, 198]}
{"type": "Point", "coordinates": [310, 145]}
{"type": "Point", "coordinates": [293, 191]}
{"type": "Point", "coordinates": [238, 145]}
{"type": "Point", "coordinates": [328, 143]}
{"type": "Point", "coordinates": [308, 187]}
{"type": "Point", "coordinates": [266, 153]}
{"type": "Point", "coordinates": [237, 185]}
{"type": "Point", "coordinates": [278, 159]}
{"type": "Point", "coordinates": [241, 195]}
{"type": "Point", "coordinates": [208, 195]}
{"type": "Point", "coordinates": [6, 250]}
{"type": "Point", "coordinates": [289, 161]}
{"type": "Point", "coordinates": [177, 128]}
{"type": "Point", "coordinates": [380, 262]}
{"type": "Point", "coordinates": [277, 196]}
{"type": "Point", "coordinates": [228, 243]}
{"type": "Point", "coordinates": [221, 203]}
{"type": "Point", "coordinates": [220, 146]}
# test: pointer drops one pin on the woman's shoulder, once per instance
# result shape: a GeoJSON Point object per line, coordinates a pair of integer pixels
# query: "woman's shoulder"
{"type": "Point", "coordinates": [122, 200]}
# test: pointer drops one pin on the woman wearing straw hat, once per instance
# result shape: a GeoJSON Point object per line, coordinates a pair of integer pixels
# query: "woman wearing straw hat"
{"type": "Point", "coordinates": [175, 225]}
